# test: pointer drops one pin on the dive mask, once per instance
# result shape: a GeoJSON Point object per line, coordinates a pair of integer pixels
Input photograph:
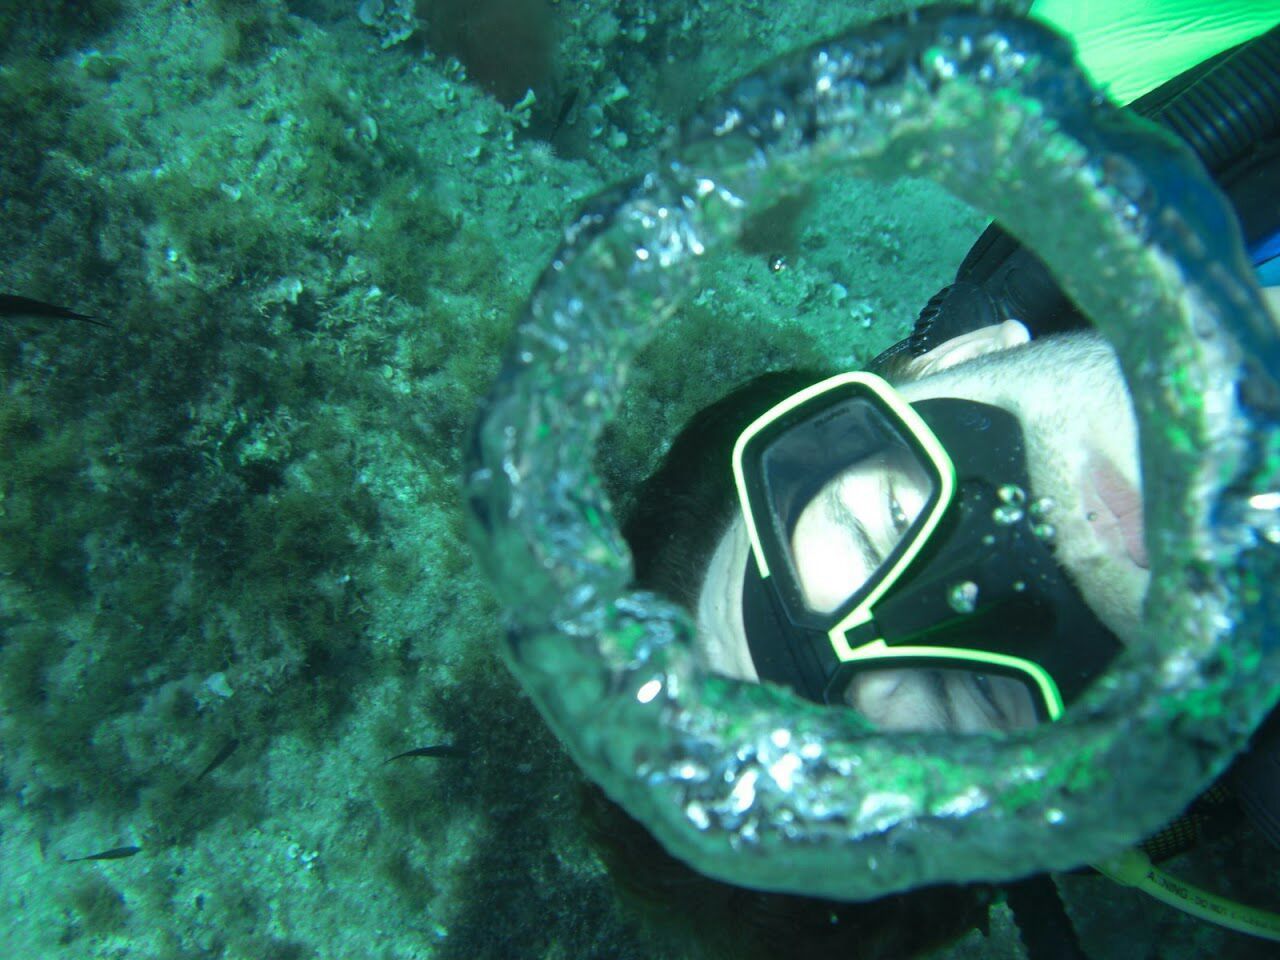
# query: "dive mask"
{"type": "Point", "coordinates": [889, 537]}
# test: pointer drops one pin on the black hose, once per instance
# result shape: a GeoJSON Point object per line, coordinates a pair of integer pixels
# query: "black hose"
{"type": "Point", "coordinates": [1256, 777]}
{"type": "Point", "coordinates": [1231, 103]}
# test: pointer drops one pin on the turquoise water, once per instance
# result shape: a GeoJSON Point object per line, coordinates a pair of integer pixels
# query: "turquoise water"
{"type": "Point", "coordinates": [230, 527]}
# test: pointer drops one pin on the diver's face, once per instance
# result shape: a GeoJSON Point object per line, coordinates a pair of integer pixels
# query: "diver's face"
{"type": "Point", "coordinates": [853, 523]}
{"type": "Point", "coordinates": [963, 701]}
{"type": "Point", "coordinates": [1078, 427]}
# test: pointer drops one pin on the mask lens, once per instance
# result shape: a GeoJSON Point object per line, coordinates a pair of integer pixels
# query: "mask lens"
{"type": "Point", "coordinates": [926, 698]}
{"type": "Point", "coordinates": [845, 491]}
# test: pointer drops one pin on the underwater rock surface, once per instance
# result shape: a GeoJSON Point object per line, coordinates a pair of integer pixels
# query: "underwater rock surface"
{"type": "Point", "coordinates": [234, 578]}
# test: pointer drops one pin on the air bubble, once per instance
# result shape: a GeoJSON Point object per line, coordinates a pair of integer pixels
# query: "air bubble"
{"type": "Point", "coordinates": [1012, 493]}
{"type": "Point", "coordinates": [1007, 514]}
{"type": "Point", "coordinates": [1012, 501]}
{"type": "Point", "coordinates": [963, 597]}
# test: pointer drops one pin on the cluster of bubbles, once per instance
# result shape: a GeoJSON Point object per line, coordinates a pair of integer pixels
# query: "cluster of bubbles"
{"type": "Point", "coordinates": [1013, 503]}
{"type": "Point", "coordinates": [963, 597]}
{"type": "Point", "coordinates": [1014, 507]}
{"type": "Point", "coordinates": [1041, 510]}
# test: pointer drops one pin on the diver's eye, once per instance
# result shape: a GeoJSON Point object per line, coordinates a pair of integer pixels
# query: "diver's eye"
{"type": "Point", "coordinates": [982, 683]}
{"type": "Point", "coordinates": [897, 514]}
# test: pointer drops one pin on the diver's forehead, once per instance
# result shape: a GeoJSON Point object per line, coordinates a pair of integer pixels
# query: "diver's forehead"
{"type": "Point", "coordinates": [1038, 369]}
{"type": "Point", "coordinates": [955, 383]}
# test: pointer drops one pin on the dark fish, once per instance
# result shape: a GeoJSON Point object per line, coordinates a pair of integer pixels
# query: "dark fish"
{"type": "Point", "coordinates": [115, 853]}
{"type": "Point", "coordinates": [11, 305]}
{"type": "Point", "coordinates": [566, 104]}
{"type": "Point", "coordinates": [219, 759]}
{"type": "Point", "coordinates": [437, 750]}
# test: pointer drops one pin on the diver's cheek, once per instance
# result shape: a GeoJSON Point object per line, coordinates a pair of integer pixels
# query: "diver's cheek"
{"type": "Point", "coordinates": [1112, 584]}
{"type": "Point", "coordinates": [901, 700]}
{"type": "Point", "coordinates": [1114, 508]}
{"type": "Point", "coordinates": [1115, 593]}
{"type": "Point", "coordinates": [1090, 543]}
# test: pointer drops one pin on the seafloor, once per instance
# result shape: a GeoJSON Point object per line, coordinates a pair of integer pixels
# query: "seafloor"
{"type": "Point", "coordinates": [233, 578]}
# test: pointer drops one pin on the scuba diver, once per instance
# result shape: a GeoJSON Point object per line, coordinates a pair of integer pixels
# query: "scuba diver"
{"type": "Point", "coordinates": [951, 540]}
{"type": "Point", "coordinates": [780, 786]}
{"type": "Point", "coordinates": [1044, 401]}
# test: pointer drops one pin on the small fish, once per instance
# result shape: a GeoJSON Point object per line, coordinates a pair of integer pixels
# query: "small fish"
{"type": "Point", "coordinates": [12, 305]}
{"type": "Point", "coordinates": [566, 104]}
{"type": "Point", "coordinates": [436, 750]}
{"type": "Point", "coordinates": [115, 853]}
{"type": "Point", "coordinates": [218, 760]}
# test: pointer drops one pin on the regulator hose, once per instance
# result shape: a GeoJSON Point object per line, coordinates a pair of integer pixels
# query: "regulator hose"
{"type": "Point", "coordinates": [1226, 107]}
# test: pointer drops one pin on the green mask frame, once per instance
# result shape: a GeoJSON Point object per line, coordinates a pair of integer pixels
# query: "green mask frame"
{"type": "Point", "coordinates": [822, 478]}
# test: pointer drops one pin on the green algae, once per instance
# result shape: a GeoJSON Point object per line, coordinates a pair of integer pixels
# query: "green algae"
{"type": "Point", "coordinates": [312, 250]}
